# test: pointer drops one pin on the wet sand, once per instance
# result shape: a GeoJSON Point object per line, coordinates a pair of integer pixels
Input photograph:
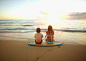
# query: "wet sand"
{"type": "Point", "coordinates": [20, 51]}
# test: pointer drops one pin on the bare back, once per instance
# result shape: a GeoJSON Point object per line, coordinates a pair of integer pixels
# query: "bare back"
{"type": "Point", "coordinates": [38, 37]}
{"type": "Point", "coordinates": [50, 36]}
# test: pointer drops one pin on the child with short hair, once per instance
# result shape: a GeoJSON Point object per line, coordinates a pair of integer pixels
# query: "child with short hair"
{"type": "Point", "coordinates": [38, 36]}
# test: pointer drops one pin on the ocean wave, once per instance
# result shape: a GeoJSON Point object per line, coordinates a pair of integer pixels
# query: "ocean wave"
{"type": "Point", "coordinates": [27, 25]}
{"type": "Point", "coordinates": [71, 30]}
{"type": "Point", "coordinates": [16, 25]}
{"type": "Point", "coordinates": [23, 30]}
{"type": "Point", "coordinates": [14, 29]}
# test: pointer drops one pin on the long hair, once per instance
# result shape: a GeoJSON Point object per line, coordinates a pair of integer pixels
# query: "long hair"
{"type": "Point", "coordinates": [50, 30]}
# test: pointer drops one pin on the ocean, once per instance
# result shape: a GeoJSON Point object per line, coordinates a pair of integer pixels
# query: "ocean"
{"type": "Point", "coordinates": [12, 26]}
{"type": "Point", "coordinates": [24, 29]}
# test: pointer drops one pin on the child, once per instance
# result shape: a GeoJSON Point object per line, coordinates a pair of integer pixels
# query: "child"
{"type": "Point", "coordinates": [50, 35]}
{"type": "Point", "coordinates": [38, 36]}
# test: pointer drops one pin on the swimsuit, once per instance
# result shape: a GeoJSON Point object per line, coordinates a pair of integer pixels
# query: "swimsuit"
{"type": "Point", "coordinates": [51, 40]}
{"type": "Point", "coordinates": [37, 42]}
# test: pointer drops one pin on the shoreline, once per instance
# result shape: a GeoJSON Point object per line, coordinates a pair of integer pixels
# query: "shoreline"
{"type": "Point", "coordinates": [69, 38]}
{"type": "Point", "coordinates": [33, 40]}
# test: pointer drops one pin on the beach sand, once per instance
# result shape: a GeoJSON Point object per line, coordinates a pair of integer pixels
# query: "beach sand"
{"type": "Point", "coordinates": [20, 51]}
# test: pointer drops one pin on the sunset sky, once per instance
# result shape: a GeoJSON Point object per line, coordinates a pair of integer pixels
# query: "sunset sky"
{"type": "Point", "coordinates": [39, 9]}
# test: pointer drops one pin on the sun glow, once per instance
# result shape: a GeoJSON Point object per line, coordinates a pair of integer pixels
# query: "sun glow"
{"type": "Point", "coordinates": [54, 12]}
{"type": "Point", "coordinates": [53, 17]}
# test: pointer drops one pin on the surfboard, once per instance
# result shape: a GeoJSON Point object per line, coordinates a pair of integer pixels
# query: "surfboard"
{"type": "Point", "coordinates": [45, 44]}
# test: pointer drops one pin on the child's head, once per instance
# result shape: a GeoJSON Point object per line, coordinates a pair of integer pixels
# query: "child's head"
{"type": "Point", "coordinates": [49, 28]}
{"type": "Point", "coordinates": [38, 30]}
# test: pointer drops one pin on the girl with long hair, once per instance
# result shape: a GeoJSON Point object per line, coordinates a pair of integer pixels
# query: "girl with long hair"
{"type": "Point", "coordinates": [50, 35]}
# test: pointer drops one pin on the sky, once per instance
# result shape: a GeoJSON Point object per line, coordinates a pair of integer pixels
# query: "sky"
{"type": "Point", "coordinates": [39, 9]}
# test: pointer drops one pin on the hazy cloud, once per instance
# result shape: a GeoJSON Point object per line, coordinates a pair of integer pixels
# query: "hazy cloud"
{"type": "Point", "coordinates": [77, 15]}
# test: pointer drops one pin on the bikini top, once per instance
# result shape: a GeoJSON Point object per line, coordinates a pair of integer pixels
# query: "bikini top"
{"type": "Point", "coordinates": [51, 37]}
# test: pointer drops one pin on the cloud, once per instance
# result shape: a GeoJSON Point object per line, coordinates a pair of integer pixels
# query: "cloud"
{"type": "Point", "coordinates": [44, 13]}
{"type": "Point", "coordinates": [77, 15]}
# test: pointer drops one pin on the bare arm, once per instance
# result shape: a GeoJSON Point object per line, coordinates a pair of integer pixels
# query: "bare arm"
{"type": "Point", "coordinates": [42, 35]}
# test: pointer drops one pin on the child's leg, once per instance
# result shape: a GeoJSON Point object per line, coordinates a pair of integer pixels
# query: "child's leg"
{"type": "Point", "coordinates": [35, 41]}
